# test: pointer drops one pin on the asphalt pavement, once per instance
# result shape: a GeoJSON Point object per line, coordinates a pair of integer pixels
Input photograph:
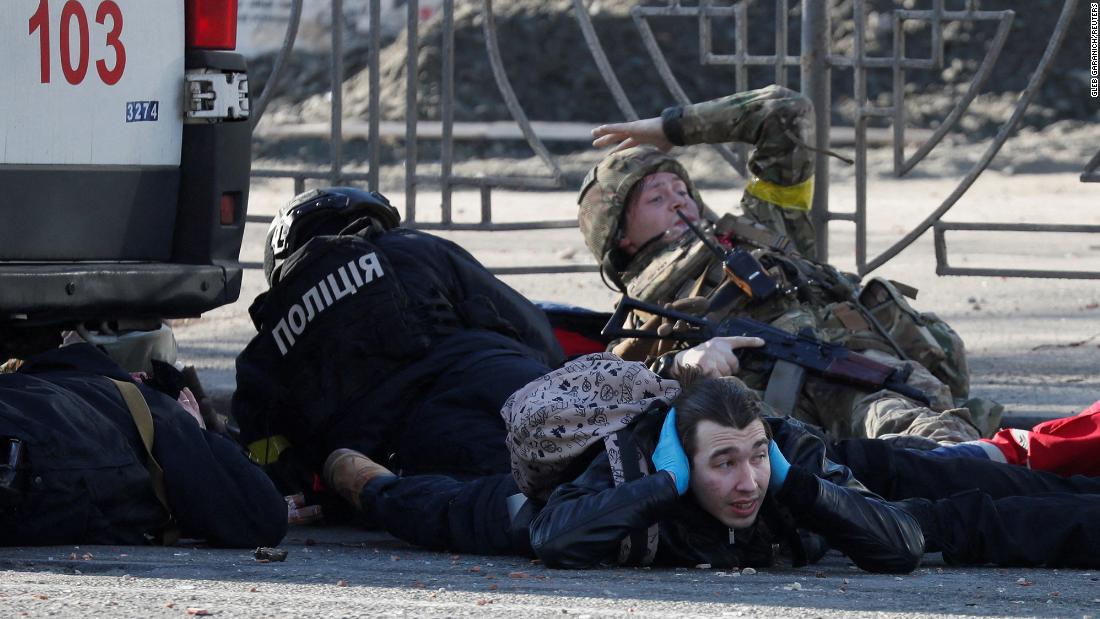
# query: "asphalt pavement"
{"type": "Point", "coordinates": [345, 572]}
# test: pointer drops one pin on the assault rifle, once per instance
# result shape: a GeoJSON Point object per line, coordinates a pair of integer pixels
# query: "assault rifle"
{"type": "Point", "coordinates": [784, 356]}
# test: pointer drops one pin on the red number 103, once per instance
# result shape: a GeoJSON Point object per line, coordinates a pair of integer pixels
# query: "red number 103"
{"type": "Point", "coordinates": [73, 14]}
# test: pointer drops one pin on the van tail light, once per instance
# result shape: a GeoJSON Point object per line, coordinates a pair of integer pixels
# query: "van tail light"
{"type": "Point", "coordinates": [211, 24]}
{"type": "Point", "coordinates": [228, 209]}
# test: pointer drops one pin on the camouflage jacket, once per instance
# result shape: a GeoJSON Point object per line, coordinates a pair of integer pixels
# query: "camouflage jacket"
{"type": "Point", "coordinates": [776, 229]}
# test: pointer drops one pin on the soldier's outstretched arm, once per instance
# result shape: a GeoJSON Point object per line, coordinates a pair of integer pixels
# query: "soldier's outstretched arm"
{"type": "Point", "coordinates": [776, 121]}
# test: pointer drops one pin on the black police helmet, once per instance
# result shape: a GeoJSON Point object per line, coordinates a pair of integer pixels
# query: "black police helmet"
{"type": "Point", "coordinates": [318, 212]}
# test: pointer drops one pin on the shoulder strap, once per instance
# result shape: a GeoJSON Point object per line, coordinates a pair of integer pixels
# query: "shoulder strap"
{"type": "Point", "coordinates": [143, 419]}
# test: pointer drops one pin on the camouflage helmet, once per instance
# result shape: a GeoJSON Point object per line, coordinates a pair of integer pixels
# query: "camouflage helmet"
{"type": "Point", "coordinates": [606, 189]}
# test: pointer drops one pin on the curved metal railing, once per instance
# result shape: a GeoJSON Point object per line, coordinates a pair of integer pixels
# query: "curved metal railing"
{"type": "Point", "coordinates": [1006, 130]}
{"type": "Point", "coordinates": [816, 62]}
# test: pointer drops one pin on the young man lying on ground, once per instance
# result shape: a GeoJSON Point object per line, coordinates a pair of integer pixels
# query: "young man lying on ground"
{"type": "Point", "coordinates": [735, 476]}
{"type": "Point", "coordinates": [726, 494]}
{"type": "Point", "coordinates": [744, 496]}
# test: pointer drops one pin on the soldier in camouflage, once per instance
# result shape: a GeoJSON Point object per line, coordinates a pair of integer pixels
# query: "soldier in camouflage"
{"type": "Point", "coordinates": [628, 215]}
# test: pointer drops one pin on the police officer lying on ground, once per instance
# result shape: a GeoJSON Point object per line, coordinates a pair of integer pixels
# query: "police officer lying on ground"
{"type": "Point", "coordinates": [629, 206]}
{"type": "Point", "coordinates": [726, 493]}
{"type": "Point", "coordinates": [76, 465]}
{"type": "Point", "coordinates": [732, 473]}
{"type": "Point", "coordinates": [389, 341]}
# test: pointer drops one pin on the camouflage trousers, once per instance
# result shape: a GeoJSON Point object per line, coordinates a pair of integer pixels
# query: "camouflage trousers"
{"type": "Point", "coordinates": [844, 411]}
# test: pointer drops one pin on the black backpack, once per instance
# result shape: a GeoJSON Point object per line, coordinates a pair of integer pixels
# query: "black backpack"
{"type": "Point", "coordinates": [70, 471]}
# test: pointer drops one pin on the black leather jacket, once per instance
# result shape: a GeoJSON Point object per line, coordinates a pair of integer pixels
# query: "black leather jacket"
{"type": "Point", "coordinates": [821, 505]}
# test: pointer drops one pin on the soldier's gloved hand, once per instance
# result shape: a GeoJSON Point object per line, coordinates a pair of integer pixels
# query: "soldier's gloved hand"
{"type": "Point", "coordinates": [669, 454]}
{"type": "Point", "coordinates": [626, 135]}
{"type": "Point", "coordinates": [670, 328]}
{"type": "Point", "coordinates": [779, 466]}
{"type": "Point", "coordinates": [638, 349]}
{"type": "Point", "coordinates": [696, 306]}
{"type": "Point", "coordinates": [714, 357]}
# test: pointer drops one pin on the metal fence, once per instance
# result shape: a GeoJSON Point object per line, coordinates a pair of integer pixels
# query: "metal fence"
{"type": "Point", "coordinates": [816, 64]}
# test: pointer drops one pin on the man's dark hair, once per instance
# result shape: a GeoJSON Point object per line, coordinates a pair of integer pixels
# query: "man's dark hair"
{"type": "Point", "coordinates": [725, 401]}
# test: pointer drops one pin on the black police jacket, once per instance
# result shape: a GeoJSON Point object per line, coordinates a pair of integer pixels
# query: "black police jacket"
{"type": "Point", "coordinates": [820, 505]}
{"type": "Point", "coordinates": [358, 328]}
{"type": "Point", "coordinates": [83, 477]}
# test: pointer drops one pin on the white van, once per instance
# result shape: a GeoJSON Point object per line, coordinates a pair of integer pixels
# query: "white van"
{"type": "Point", "coordinates": [124, 160]}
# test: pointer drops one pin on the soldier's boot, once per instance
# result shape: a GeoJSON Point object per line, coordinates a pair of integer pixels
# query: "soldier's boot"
{"type": "Point", "coordinates": [986, 414]}
{"type": "Point", "coordinates": [347, 472]}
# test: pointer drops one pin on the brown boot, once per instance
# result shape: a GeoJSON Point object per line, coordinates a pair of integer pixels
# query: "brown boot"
{"type": "Point", "coordinates": [347, 472]}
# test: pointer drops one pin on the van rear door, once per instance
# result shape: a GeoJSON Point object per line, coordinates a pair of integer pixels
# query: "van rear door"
{"type": "Point", "coordinates": [92, 128]}
{"type": "Point", "coordinates": [124, 159]}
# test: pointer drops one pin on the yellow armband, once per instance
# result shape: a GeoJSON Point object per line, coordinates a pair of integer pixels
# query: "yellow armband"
{"type": "Point", "coordinates": [795, 197]}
